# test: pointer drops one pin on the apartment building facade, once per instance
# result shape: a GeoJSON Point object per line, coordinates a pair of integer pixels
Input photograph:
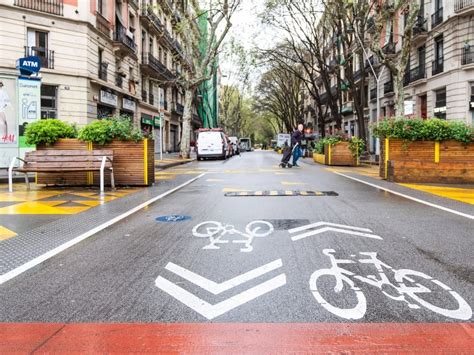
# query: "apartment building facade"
{"type": "Point", "coordinates": [101, 58]}
{"type": "Point", "coordinates": [439, 79]}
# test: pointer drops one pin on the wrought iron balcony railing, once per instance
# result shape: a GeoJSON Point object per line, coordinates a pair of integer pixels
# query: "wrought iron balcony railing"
{"type": "Point", "coordinates": [467, 55]}
{"type": "Point", "coordinates": [46, 56]}
{"type": "Point", "coordinates": [438, 66]}
{"type": "Point", "coordinates": [461, 5]}
{"type": "Point", "coordinates": [437, 18]}
{"type": "Point", "coordinates": [414, 74]}
{"type": "Point", "coordinates": [55, 7]}
{"type": "Point", "coordinates": [121, 36]}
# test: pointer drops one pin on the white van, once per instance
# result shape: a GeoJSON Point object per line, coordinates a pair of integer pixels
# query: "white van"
{"type": "Point", "coordinates": [245, 144]}
{"type": "Point", "coordinates": [211, 144]}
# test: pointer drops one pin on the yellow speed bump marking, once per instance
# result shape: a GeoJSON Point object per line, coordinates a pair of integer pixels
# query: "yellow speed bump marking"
{"type": "Point", "coordinates": [289, 193]}
{"type": "Point", "coordinates": [290, 183]}
{"type": "Point", "coordinates": [273, 193]}
{"type": "Point", "coordinates": [258, 193]}
{"type": "Point", "coordinates": [6, 233]}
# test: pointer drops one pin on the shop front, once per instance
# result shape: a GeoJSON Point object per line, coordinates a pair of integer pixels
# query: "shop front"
{"type": "Point", "coordinates": [107, 104]}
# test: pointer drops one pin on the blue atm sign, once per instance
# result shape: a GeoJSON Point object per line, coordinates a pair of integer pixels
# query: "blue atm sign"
{"type": "Point", "coordinates": [29, 65]}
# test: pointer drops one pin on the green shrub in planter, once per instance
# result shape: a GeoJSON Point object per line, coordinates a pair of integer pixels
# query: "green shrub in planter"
{"type": "Point", "coordinates": [423, 130]}
{"type": "Point", "coordinates": [48, 131]}
{"type": "Point", "coordinates": [356, 145]}
{"type": "Point", "coordinates": [106, 130]}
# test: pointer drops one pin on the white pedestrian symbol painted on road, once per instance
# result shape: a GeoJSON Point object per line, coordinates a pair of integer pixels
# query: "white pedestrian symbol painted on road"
{"type": "Point", "coordinates": [219, 233]}
{"type": "Point", "coordinates": [322, 227]}
{"type": "Point", "coordinates": [212, 311]}
{"type": "Point", "coordinates": [408, 288]}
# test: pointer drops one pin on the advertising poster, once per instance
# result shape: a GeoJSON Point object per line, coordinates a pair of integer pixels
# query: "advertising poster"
{"type": "Point", "coordinates": [29, 106]}
{"type": "Point", "coordinates": [8, 120]}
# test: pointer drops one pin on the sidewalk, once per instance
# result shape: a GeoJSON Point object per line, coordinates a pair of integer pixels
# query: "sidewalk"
{"type": "Point", "coordinates": [171, 159]}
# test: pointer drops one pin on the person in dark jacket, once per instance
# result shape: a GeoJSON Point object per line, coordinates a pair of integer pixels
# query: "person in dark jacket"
{"type": "Point", "coordinates": [296, 138]}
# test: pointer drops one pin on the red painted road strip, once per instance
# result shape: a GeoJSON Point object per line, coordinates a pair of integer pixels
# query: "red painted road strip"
{"type": "Point", "coordinates": [261, 338]}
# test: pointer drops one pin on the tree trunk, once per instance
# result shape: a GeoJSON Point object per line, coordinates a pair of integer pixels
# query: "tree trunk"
{"type": "Point", "coordinates": [187, 125]}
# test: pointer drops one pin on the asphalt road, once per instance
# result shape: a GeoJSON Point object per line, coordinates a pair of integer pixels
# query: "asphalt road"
{"type": "Point", "coordinates": [144, 270]}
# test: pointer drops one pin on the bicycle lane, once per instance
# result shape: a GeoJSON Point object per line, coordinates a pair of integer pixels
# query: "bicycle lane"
{"type": "Point", "coordinates": [115, 276]}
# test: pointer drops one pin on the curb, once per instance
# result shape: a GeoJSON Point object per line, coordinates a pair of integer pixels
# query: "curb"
{"type": "Point", "coordinates": [170, 165]}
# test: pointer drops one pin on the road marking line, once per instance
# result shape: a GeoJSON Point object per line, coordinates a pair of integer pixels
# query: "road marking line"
{"type": "Point", "coordinates": [318, 224]}
{"type": "Point", "coordinates": [212, 311]}
{"type": "Point", "coordinates": [466, 215]}
{"type": "Point", "coordinates": [38, 260]}
{"type": "Point", "coordinates": [331, 229]}
{"type": "Point", "coordinates": [217, 288]}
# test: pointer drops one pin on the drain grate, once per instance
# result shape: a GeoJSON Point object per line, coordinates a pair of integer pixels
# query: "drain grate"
{"type": "Point", "coordinates": [280, 193]}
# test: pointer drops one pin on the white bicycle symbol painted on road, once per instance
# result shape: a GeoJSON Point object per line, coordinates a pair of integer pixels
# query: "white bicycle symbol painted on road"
{"type": "Point", "coordinates": [218, 232]}
{"type": "Point", "coordinates": [406, 290]}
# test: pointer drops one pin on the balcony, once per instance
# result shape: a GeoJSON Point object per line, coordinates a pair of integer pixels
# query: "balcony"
{"type": "Point", "coordinates": [178, 109]}
{"type": "Point", "coordinates": [414, 74]}
{"type": "Point", "coordinates": [168, 38]}
{"type": "Point", "coordinates": [388, 88]}
{"type": "Point", "coordinates": [118, 80]}
{"type": "Point", "coordinates": [420, 32]}
{"type": "Point", "coordinates": [467, 56]}
{"type": "Point", "coordinates": [135, 4]}
{"type": "Point", "coordinates": [347, 108]}
{"type": "Point", "coordinates": [465, 7]}
{"type": "Point", "coordinates": [144, 96]}
{"type": "Point", "coordinates": [438, 66]}
{"type": "Point", "coordinates": [151, 99]}
{"type": "Point", "coordinates": [46, 56]}
{"type": "Point", "coordinates": [373, 94]}
{"type": "Point", "coordinates": [372, 61]}
{"type": "Point", "coordinates": [357, 75]}
{"type": "Point", "coordinates": [102, 24]}
{"type": "Point", "coordinates": [103, 71]}
{"type": "Point", "coordinates": [55, 7]}
{"type": "Point", "coordinates": [149, 15]}
{"type": "Point", "coordinates": [437, 18]}
{"type": "Point", "coordinates": [123, 43]}
{"type": "Point", "coordinates": [154, 67]}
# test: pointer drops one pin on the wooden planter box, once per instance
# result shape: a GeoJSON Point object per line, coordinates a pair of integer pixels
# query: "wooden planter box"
{"type": "Point", "coordinates": [337, 154]}
{"type": "Point", "coordinates": [134, 164]}
{"type": "Point", "coordinates": [427, 161]}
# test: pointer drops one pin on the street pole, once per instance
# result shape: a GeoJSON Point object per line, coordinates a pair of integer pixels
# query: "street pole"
{"type": "Point", "coordinates": [161, 136]}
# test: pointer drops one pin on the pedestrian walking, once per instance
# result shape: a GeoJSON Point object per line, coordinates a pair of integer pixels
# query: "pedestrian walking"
{"type": "Point", "coordinates": [296, 138]}
{"type": "Point", "coordinates": [4, 103]}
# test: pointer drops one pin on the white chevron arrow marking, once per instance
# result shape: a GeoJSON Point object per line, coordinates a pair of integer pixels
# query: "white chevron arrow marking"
{"type": "Point", "coordinates": [357, 231]}
{"type": "Point", "coordinates": [217, 288]}
{"type": "Point", "coordinates": [212, 311]}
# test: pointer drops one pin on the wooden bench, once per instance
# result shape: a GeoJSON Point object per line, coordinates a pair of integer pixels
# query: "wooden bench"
{"type": "Point", "coordinates": [56, 161]}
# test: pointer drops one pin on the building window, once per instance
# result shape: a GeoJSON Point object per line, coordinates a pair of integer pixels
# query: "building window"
{"type": "Point", "coordinates": [37, 45]}
{"type": "Point", "coordinates": [101, 7]}
{"type": "Point", "coordinates": [440, 104]}
{"type": "Point", "coordinates": [49, 101]}
{"type": "Point", "coordinates": [102, 65]}
{"type": "Point", "coordinates": [438, 64]}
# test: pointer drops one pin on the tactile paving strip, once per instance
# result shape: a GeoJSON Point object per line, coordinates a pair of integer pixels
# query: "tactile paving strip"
{"type": "Point", "coordinates": [280, 193]}
{"type": "Point", "coordinates": [17, 251]}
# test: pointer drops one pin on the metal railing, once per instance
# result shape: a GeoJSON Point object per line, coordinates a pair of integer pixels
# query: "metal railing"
{"type": "Point", "coordinates": [437, 18]}
{"type": "Point", "coordinates": [419, 26]}
{"type": "Point", "coordinates": [103, 71]}
{"type": "Point", "coordinates": [121, 36]}
{"type": "Point", "coordinates": [46, 56]}
{"type": "Point", "coordinates": [156, 65]}
{"type": "Point", "coordinates": [460, 5]}
{"type": "Point", "coordinates": [414, 74]}
{"type": "Point", "coordinates": [357, 75]}
{"type": "Point", "coordinates": [467, 56]}
{"type": "Point", "coordinates": [148, 12]}
{"type": "Point", "coordinates": [388, 87]}
{"type": "Point", "coordinates": [179, 109]}
{"type": "Point", "coordinates": [438, 66]}
{"type": "Point", "coordinates": [373, 94]}
{"type": "Point", "coordinates": [55, 7]}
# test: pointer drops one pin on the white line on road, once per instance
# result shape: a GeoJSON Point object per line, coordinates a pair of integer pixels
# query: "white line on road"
{"type": "Point", "coordinates": [216, 288]}
{"type": "Point", "coordinates": [212, 311]}
{"type": "Point", "coordinates": [38, 260]}
{"type": "Point", "coordinates": [318, 224]}
{"type": "Point", "coordinates": [338, 230]}
{"type": "Point", "coordinates": [469, 216]}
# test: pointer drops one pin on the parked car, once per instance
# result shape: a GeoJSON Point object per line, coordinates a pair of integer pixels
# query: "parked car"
{"type": "Point", "coordinates": [245, 144]}
{"type": "Point", "coordinates": [235, 144]}
{"type": "Point", "coordinates": [211, 143]}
